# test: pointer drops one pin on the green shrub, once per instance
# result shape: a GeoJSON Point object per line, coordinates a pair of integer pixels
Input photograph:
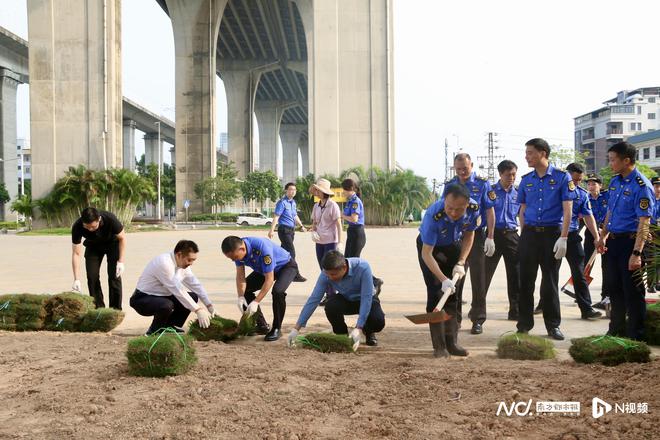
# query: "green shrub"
{"type": "Point", "coordinates": [326, 342]}
{"type": "Point", "coordinates": [525, 347]}
{"type": "Point", "coordinates": [65, 311]}
{"type": "Point", "coordinates": [226, 217]}
{"type": "Point", "coordinates": [101, 320]}
{"type": "Point", "coordinates": [652, 324]}
{"type": "Point", "coordinates": [608, 350]}
{"type": "Point", "coordinates": [162, 354]}
{"type": "Point", "coordinates": [22, 312]}
{"type": "Point", "coordinates": [11, 225]}
{"type": "Point", "coordinates": [221, 329]}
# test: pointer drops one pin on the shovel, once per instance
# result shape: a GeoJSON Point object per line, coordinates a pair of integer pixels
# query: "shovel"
{"type": "Point", "coordinates": [587, 275]}
{"type": "Point", "coordinates": [437, 315]}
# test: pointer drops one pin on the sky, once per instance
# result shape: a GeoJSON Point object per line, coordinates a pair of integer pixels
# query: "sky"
{"type": "Point", "coordinates": [521, 69]}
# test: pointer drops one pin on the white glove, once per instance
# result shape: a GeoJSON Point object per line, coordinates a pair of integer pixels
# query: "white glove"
{"type": "Point", "coordinates": [77, 286]}
{"type": "Point", "coordinates": [203, 318]}
{"type": "Point", "coordinates": [120, 270]}
{"type": "Point", "coordinates": [252, 308]}
{"type": "Point", "coordinates": [459, 270]}
{"type": "Point", "coordinates": [292, 337]}
{"type": "Point", "coordinates": [489, 247]}
{"type": "Point", "coordinates": [355, 336]}
{"type": "Point", "coordinates": [448, 284]}
{"type": "Point", "coordinates": [560, 248]}
{"type": "Point", "coordinates": [211, 310]}
{"type": "Point", "coordinates": [242, 304]}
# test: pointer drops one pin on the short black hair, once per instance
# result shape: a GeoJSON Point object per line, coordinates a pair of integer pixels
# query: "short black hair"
{"type": "Point", "coordinates": [186, 247]}
{"type": "Point", "coordinates": [457, 190]}
{"type": "Point", "coordinates": [231, 243]}
{"type": "Point", "coordinates": [333, 260]}
{"type": "Point", "coordinates": [288, 185]}
{"type": "Point", "coordinates": [539, 145]}
{"type": "Point", "coordinates": [624, 150]}
{"type": "Point", "coordinates": [89, 215]}
{"type": "Point", "coordinates": [462, 156]}
{"type": "Point", "coordinates": [506, 165]}
{"type": "Point", "coordinates": [575, 168]}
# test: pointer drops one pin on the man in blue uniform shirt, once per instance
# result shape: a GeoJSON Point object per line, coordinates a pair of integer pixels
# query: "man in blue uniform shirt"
{"type": "Point", "coordinates": [484, 244]}
{"type": "Point", "coordinates": [272, 266]}
{"type": "Point", "coordinates": [575, 254]}
{"type": "Point", "coordinates": [286, 215]}
{"type": "Point", "coordinates": [506, 234]}
{"type": "Point", "coordinates": [352, 279]}
{"type": "Point", "coordinates": [546, 201]}
{"type": "Point", "coordinates": [629, 212]}
{"type": "Point", "coordinates": [443, 244]}
{"type": "Point", "coordinates": [598, 199]}
{"type": "Point", "coordinates": [653, 273]}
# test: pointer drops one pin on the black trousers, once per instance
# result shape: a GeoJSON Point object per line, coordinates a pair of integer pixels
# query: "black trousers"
{"type": "Point", "coordinates": [286, 235]}
{"type": "Point", "coordinates": [506, 245]}
{"type": "Point", "coordinates": [575, 257]}
{"type": "Point", "coordinates": [626, 293]}
{"type": "Point", "coordinates": [356, 239]}
{"type": "Point", "coordinates": [283, 279]}
{"type": "Point", "coordinates": [534, 250]}
{"type": "Point", "coordinates": [476, 266]}
{"type": "Point", "coordinates": [589, 249]}
{"type": "Point", "coordinates": [338, 306]}
{"type": "Point", "coordinates": [93, 258]}
{"type": "Point", "coordinates": [166, 310]}
{"type": "Point", "coordinates": [447, 257]}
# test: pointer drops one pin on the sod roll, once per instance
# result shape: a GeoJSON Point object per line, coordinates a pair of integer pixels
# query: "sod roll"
{"type": "Point", "coordinates": [161, 354]}
{"type": "Point", "coordinates": [608, 350]}
{"type": "Point", "coordinates": [247, 326]}
{"type": "Point", "coordinates": [22, 312]}
{"type": "Point", "coordinates": [527, 347]}
{"type": "Point", "coordinates": [326, 342]}
{"type": "Point", "coordinates": [65, 311]}
{"type": "Point", "coordinates": [8, 311]}
{"type": "Point", "coordinates": [651, 324]}
{"type": "Point", "coordinates": [220, 329]}
{"type": "Point", "coordinates": [101, 320]}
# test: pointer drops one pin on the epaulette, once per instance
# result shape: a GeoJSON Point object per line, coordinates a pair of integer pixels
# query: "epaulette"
{"type": "Point", "coordinates": [483, 179]}
{"type": "Point", "coordinates": [640, 181]}
{"type": "Point", "coordinates": [528, 174]}
{"type": "Point", "coordinates": [603, 191]}
{"type": "Point", "coordinates": [473, 207]}
{"type": "Point", "coordinates": [439, 215]}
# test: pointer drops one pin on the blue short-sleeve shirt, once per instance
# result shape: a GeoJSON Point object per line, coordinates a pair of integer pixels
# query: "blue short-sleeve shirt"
{"type": "Point", "coordinates": [480, 191]}
{"type": "Point", "coordinates": [631, 197]}
{"type": "Point", "coordinates": [437, 229]}
{"type": "Point", "coordinates": [581, 208]}
{"type": "Point", "coordinates": [506, 207]}
{"type": "Point", "coordinates": [599, 206]}
{"type": "Point", "coordinates": [287, 210]}
{"type": "Point", "coordinates": [544, 196]}
{"type": "Point", "coordinates": [354, 206]}
{"type": "Point", "coordinates": [263, 256]}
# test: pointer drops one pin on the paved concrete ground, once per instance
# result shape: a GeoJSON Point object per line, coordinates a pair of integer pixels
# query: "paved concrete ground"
{"type": "Point", "coordinates": [42, 264]}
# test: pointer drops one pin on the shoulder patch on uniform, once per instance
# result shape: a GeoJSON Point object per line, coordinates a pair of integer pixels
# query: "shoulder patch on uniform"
{"type": "Point", "coordinates": [641, 182]}
{"type": "Point", "coordinates": [267, 259]}
{"type": "Point", "coordinates": [571, 185]}
{"type": "Point", "coordinates": [644, 203]}
{"type": "Point", "coordinates": [491, 195]}
{"type": "Point", "coordinates": [355, 205]}
{"type": "Point", "coordinates": [439, 215]}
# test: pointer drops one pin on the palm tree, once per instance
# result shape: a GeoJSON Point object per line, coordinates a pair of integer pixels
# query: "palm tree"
{"type": "Point", "coordinates": [23, 206]}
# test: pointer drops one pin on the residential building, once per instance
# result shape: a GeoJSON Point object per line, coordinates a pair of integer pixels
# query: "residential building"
{"type": "Point", "coordinates": [648, 148]}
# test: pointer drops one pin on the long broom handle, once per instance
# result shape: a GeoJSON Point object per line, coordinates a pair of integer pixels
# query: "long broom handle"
{"type": "Point", "coordinates": [447, 293]}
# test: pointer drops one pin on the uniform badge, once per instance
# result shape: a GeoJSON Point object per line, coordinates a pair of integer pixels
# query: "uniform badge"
{"type": "Point", "coordinates": [552, 182]}
{"type": "Point", "coordinates": [478, 221]}
{"type": "Point", "coordinates": [571, 185]}
{"type": "Point", "coordinates": [355, 205]}
{"type": "Point", "coordinates": [530, 184]}
{"type": "Point", "coordinates": [644, 203]}
{"type": "Point", "coordinates": [492, 195]}
{"type": "Point", "coordinates": [626, 193]}
{"type": "Point", "coordinates": [612, 188]}
{"type": "Point", "coordinates": [267, 259]}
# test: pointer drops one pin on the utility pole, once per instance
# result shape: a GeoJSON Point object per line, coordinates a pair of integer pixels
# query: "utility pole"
{"type": "Point", "coordinates": [491, 158]}
{"type": "Point", "coordinates": [446, 163]}
{"type": "Point", "coordinates": [435, 182]}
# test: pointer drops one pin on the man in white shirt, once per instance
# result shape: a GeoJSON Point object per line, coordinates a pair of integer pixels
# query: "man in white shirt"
{"type": "Point", "coordinates": [168, 290]}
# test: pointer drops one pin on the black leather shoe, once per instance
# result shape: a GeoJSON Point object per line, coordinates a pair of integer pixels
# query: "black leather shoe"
{"type": "Point", "coordinates": [378, 284]}
{"type": "Point", "coordinates": [512, 316]}
{"type": "Point", "coordinates": [600, 305]}
{"type": "Point", "coordinates": [538, 310]}
{"type": "Point", "coordinates": [273, 335]}
{"type": "Point", "coordinates": [592, 314]}
{"type": "Point", "coordinates": [477, 329]}
{"type": "Point", "coordinates": [299, 279]}
{"type": "Point", "coordinates": [262, 330]}
{"type": "Point", "coordinates": [555, 333]}
{"type": "Point", "coordinates": [372, 341]}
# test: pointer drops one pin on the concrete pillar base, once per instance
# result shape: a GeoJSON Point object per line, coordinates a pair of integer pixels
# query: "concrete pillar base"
{"type": "Point", "coordinates": [9, 82]}
{"type": "Point", "coordinates": [291, 135]}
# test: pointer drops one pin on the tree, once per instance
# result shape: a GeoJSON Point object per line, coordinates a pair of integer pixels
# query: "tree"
{"type": "Point", "coordinates": [260, 186]}
{"type": "Point", "coordinates": [607, 173]}
{"type": "Point", "coordinates": [4, 194]}
{"type": "Point", "coordinates": [561, 157]}
{"type": "Point", "coordinates": [221, 189]}
{"type": "Point", "coordinates": [23, 206]}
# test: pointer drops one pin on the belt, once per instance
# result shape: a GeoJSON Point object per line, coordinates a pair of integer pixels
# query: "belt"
{"type": "Point", "coordinates": [355, 225]}
{"type": "Point", "coordinates": [542, 228]}
{"type": "Point", "coordinates": [505, 230]}
{"type": "Point", "coordinates": [286, 227]}
{"type": "Point", "coordinates": [623, 235]}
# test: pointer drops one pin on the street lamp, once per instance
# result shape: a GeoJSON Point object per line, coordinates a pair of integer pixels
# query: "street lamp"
{"type": "Point", "coordinates": [160, 164]}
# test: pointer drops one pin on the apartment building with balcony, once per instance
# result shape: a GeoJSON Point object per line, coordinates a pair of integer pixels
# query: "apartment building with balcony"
{"type": "Point", "coordinates": [630, 113]}
{"type": "Point", "coordinates": [648, 148]}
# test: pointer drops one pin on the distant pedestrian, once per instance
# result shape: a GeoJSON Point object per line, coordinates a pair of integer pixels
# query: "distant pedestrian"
{"type": "Point", "coordinates": [286, 217]}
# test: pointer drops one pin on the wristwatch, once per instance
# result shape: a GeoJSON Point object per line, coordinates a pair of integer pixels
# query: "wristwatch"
{"type": "Point", "coordinates": [637, 253]}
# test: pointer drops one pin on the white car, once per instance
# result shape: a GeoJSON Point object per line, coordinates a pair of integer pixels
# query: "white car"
{"type": "Point", "coordinates": [253, 219]}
